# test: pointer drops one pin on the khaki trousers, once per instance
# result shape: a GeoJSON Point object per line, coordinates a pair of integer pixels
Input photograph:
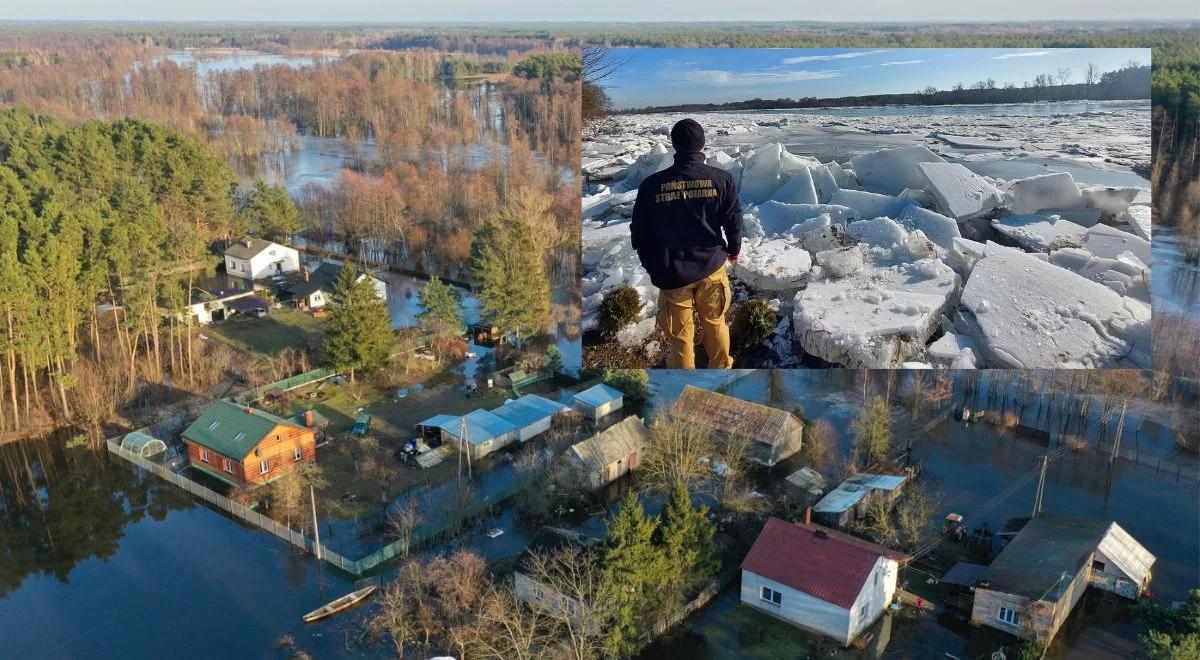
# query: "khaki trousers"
{"type": "Point", "coordinates": [708, 299]}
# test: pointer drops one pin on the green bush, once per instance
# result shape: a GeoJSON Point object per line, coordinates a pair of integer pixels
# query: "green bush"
{"type": "Point", "coordinates": [619, 308]}
{"type": "Point", "coordinates": [754, 322]}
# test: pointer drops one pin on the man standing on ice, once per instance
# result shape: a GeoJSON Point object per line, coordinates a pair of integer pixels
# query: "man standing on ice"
{"type": "Point", "coordinates": [687, 222]}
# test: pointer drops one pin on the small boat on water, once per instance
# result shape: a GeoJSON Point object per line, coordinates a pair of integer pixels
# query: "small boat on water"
{"type": "Point", "coordinates": [345, 602]}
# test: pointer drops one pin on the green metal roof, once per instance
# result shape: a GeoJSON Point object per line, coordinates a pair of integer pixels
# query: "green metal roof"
{"type": "Point", "coordinates": [228, 429]}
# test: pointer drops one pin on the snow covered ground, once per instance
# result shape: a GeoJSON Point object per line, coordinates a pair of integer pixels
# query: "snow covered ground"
{"type": "Point", "coordinates": [987, 236]}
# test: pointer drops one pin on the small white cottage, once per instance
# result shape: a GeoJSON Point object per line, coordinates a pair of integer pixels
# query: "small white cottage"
{"type": "Point", "coordinates": [597, 401]}
{"type": "Point", "coordinates": [255, 258]}
{"type": "Point", "coordinates": [313, 290]}
{"type": "Point", "coordinates": [818, 579]}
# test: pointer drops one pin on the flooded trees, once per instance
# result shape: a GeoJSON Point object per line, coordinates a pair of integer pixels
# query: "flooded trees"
{"type": "Point", "coordinates": [441, 314]}
{"type": "Point", "coordinates": [873, 431]}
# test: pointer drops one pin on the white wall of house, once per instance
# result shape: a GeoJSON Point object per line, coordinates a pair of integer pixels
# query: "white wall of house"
{"type": "Point", "coordinates": [320, 298]}
{"type": "Point", "coordinates": [1108, 576]}
{"type": "Point", "coordinates": [798, 608]}
{"type": "Point", "coordinates": [271, 261]}
{"type": "Point", "coordinates": [875, 596]}
{"type": "Point", "coordinates": [540, 426]}
{"type": "Point", "coordinates": [598, 412]}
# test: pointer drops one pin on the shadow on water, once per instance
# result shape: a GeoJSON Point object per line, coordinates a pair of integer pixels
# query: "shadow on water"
{"type": "Point", "coordinates": [102, 560]}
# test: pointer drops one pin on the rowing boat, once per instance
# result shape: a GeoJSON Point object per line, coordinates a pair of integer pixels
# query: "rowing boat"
{"type": "Point", "coordinates": [345, 602]}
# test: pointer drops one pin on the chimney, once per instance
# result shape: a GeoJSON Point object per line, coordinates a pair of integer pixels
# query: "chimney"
{"type": "Point", "coordinates": [249, 410]}
{"type": "Point", "coordinates": [305, 272]}
{"type": "Point", "coordinates": [308, 418]}
{"type": "Point", "coordinates": [246, 241]}
{"type": "Point", "coordinates": [808, 515]}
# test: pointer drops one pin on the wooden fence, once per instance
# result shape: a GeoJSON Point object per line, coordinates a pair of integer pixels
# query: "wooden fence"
{"type": "Point", "coordinates": [249, 515]}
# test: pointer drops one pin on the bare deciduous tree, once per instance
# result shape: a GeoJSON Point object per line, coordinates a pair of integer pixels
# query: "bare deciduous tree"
{"type": "Point", "coordinates": [679, 451]}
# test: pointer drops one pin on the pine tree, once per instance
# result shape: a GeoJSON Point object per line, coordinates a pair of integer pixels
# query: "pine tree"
{"type": "Point", "coordinates": [270, 212]}
{"type": "Point", "coordinates": [514, 289]}
{"type": "Point", "coordinates": [634, 572]}
{"type": "Point", "coordinates": [359, 334]}
{"type": "Point", "coordinates": [441, 315]}
{"type": "Point", "coordinates": [686, 535]}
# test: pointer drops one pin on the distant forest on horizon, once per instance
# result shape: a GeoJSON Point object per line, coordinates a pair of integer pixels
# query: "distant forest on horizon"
{"type": "Point", "coordinates": [1129, 82]}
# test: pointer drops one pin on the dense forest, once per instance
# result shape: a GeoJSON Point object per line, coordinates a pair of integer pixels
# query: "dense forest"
{"type": "Point", "coordinates": [1129, 82]}
{"type": "Point", "coordinates": [120, 169]}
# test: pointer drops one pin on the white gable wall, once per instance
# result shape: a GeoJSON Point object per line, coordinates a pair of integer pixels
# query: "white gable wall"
{"type": "Point", "coordinates": [798, 608]}
{"type": "Point", "coordinates": [876, 595]}
{"type": "Point", "coordinates": [271, 261]}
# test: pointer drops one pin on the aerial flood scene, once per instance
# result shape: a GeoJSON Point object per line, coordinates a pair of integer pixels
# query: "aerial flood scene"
{"type": "Point", "coordinates": [340, 338]}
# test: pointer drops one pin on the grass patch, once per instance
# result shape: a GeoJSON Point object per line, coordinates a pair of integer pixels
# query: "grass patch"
{"type": "Point", "coordinates": [281, 329]}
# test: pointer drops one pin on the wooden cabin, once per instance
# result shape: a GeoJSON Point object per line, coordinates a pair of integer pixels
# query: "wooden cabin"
{"type": "Point", "coordinates": [773, 434]}
{"type": "Point", "coordinates": [241, 445]}
{"type": "Point", "coordinates": [606, 456]}
{"type": "Point", "coordinates": [1036, 581]}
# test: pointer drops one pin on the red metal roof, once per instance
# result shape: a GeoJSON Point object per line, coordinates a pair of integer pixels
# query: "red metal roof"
{"type": "Point", "coordinates": [833, 568]}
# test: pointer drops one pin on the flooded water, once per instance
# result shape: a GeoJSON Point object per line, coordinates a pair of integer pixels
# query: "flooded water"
{"type": "Point", "coordinates": [1175, 282]}
{"type": "Point", "coordinates": [968, 464]}
{"type": "Point", "coordinates": [206, 61]}
{"type": "Point", "coordinates": [1052, 109]}
{"type": "Point", "coordinates": [101, 561]}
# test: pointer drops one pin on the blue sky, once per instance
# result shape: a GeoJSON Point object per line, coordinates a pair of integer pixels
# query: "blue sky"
{"type": "Point", "coordinates": [665, 76]}
{"type": "Point", "coordinates": [593, 10]}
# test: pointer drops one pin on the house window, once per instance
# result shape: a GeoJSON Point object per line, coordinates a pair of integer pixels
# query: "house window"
{"type": "Point", "coordinates": [214, 425]}
{"type": "Point", "coordinates": [771, 596]}
{"type": "Point", "coordinates": [862, 613]}
{"type": "Point", "coordinates": [262, 467]}
{"type": "Point", "coordinates": [1097, 566]}
{"type": "Point", "coordinates": [240, 435]}
{"type": "Point", "coordinates": [204, 455]}
{"type": "Point", "coordinates": [228, 465]}
{"type": "Point", "coordinates": [298, 453]}
{"type": "Point", "coordinates": [1011, 617]}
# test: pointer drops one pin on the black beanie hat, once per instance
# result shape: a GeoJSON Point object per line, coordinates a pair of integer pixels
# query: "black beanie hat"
{"type": "Point", "coordinates": [687, 136]}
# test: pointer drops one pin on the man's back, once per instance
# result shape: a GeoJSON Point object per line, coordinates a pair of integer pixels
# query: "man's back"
{"type": "Point", "coordinates": [686, 221]}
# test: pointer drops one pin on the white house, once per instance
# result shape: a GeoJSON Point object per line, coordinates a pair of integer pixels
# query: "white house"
{"type": "Point", "coordinates": [819, 579]}
{"type": "Point", "coordinates": [255, 258]}
{"type": "Point", "coordinates": [597, 401]}
{"type": "Point", "coordinates": [207, 306]}
{"type": "Point", "coordinates": [311, 290]}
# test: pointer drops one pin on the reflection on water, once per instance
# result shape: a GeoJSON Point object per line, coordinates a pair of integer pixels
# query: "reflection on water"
{"type": "Point", "coordinates": [98, 560]}
{"type": "Point", "coordinates": [1175, 282]}
{"type": "Point", "coordinates": [220, 60]}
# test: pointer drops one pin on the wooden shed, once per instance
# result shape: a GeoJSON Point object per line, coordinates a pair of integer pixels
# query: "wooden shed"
{"type": "Point", "coordinates": [774, 434]}
{"type": "Point", "coordinates": [606, 456]}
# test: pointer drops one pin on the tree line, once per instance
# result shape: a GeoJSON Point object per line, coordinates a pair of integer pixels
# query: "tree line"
{"type": "Point", "coordinates": [1131, 81]}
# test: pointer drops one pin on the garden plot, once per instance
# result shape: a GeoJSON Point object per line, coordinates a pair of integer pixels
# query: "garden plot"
{"type": "Point", "coordinates": [908, 253]}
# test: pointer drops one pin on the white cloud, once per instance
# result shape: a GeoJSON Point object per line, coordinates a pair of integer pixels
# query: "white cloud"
{"type": "Point", "coordinates": [901, 62]}
{"type": "Point", "coordinates": [825, 58]}
{"type": "Point", "coordinates": [1026, 53]}
{"type": "Point", "coordinates": [739, 78]}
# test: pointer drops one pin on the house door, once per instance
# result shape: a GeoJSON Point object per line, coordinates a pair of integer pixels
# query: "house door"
{"type": "Point", "coordinates": [633, 458]}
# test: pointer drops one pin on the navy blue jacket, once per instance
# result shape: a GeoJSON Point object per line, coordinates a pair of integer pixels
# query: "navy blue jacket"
{"type": "Point", "coordinates": [686, 221]}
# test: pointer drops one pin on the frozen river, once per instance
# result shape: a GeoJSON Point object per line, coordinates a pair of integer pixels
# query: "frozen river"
{"type": "Point", "coordinates": [863, 228]}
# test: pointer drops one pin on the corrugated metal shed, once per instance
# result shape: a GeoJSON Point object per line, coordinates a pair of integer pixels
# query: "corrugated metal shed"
{"type": "Point", "coordinates": [1130, 556]}
{"type": "Point", "coordinates": [613, 444]}
{"type": "Point", "coordinates": [482, 426]}
{"type": "Point", "coordinates": [1041, 561]}
{"type": "Point", "coordinates": [598, 395]}
{"type": "Point", "coordinates": [820, 562]}
{"type": "Point", "coordinates": [807, 479]}
{"type": "Point", "coordinates": [527, 410]}
{"type": "Point", "coordinates": [441, 421]}
{"type": "Point", "coordinates": [851, 491]}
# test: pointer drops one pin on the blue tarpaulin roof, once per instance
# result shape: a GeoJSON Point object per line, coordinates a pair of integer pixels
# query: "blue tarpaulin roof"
{"type": "Point", "coordinates": [527, 410]}
{"type": "Point", "coordinates": [598, 395]}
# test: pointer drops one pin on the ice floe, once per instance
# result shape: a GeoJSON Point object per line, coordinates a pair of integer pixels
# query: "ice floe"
{"type": "Point", "coordinates": [955, 243]}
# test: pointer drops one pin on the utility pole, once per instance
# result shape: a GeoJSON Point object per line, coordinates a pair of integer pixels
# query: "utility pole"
{"type": "Point", "coordinates": [1041, 487]}
{"type": "Point", "coordinates": [312, 497]}
{"type": "Point", "coordinates": [1120, 427]}
{"type": "Point", "coordinates": [462, 435]}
